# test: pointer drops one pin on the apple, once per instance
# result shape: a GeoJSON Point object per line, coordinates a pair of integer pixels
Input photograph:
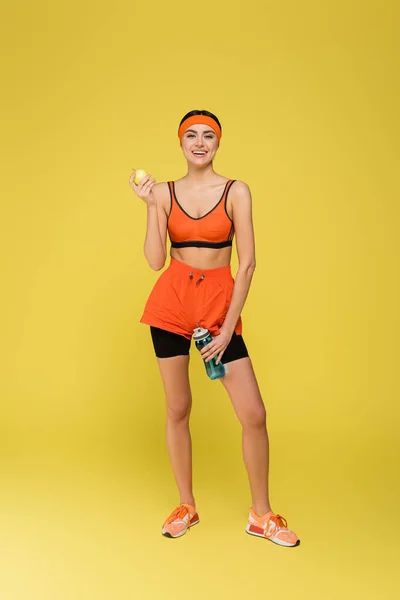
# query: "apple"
{"type": "Point", "coordinates": [139, 175]}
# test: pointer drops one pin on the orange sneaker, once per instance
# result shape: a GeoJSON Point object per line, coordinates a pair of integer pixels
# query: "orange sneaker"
{"type": "Point", "coordinates": [273, 527]}
{"type": "Point", "coordinates": [180, 520]}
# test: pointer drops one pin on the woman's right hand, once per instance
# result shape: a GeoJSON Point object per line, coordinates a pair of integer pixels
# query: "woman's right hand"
{"type": "Point", "coordinates": [145, 189]}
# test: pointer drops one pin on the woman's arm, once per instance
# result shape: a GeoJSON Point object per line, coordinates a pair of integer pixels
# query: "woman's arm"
{"type": "Point", "coordinates": [155, 248]}
{"type": "Point", "coordinates": [243, 221]}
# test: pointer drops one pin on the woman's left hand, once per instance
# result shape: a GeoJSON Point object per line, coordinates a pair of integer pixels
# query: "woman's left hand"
{"type": "Point", "coordinates": [217, 346]}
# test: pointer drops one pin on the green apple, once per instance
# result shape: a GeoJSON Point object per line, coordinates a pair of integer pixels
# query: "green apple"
{"type": "Point", "coordinates": [139, 175]}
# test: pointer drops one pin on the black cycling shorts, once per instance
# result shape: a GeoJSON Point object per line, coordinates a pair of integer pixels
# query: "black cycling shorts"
{"type": "Point", "coordinates": [167, 344]}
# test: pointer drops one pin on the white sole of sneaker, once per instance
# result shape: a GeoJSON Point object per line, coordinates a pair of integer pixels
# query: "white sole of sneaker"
{"type": "Point", "coordinates": [168, 535]}
{"type": "Point", "coordinates": [272, 539]}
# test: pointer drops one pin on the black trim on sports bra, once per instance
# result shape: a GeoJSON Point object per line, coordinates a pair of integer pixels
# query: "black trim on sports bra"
{"type": "Point", "coordinates": [226, 197]}
{"type": "Point", "coordinates": [170, 206]}
{"type": "Point", "coordinates": [201, 244]}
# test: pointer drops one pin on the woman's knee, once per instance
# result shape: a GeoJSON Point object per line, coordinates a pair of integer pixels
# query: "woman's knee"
{"type": "Point", "coordinates": [254, 416]}
{"type": "Point", "coordinates": [179, 410]}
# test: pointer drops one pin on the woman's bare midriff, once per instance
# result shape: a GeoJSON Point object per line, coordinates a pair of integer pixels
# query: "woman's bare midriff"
{"type": "Point", "coordinates": [203, 258]}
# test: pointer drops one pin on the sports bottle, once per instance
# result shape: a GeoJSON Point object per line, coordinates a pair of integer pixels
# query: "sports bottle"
{"type": "Point", "coordinates": [201, 338]}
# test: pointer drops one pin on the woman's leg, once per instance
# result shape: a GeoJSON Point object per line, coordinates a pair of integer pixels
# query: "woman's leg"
{"type": "Point", "coordinates": [175, 376]}
{"type": "Point", "coordinates": [241, 384]}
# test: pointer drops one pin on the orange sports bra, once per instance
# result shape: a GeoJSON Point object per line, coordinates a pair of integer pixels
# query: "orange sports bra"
{"type": "Point", "coordinates": [215, 229]}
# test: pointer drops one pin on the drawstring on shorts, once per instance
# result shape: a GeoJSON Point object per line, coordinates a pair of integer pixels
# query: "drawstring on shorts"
{"type": "Point", "coordinates": [199, 280]}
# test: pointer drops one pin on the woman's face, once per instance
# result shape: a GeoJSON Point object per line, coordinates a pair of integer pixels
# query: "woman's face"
{"type": "Point", "coordinates": [199, 144]}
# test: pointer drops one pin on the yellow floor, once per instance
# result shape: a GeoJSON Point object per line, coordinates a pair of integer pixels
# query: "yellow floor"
{"type": "Point", "coordinates": [90, 527]}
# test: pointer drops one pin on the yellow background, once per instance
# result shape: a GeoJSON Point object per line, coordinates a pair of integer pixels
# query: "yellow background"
{"type": "Point", "coordinates": [308, 96]}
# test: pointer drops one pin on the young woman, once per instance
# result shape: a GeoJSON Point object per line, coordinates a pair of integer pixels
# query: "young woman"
{"type": "Point", "coordinates": [201, 212]}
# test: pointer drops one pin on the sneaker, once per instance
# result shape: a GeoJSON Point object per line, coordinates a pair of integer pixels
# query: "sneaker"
{"type": "Point", "coordinates": [273, 527]}
{"type": "Point", "coordinates": [180, 520]}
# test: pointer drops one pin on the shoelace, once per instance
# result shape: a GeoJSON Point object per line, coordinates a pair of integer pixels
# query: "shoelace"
{"type": "Point", "coordinates": [278, 521]}
{"type": "Point", "coordinates": [179, 513]}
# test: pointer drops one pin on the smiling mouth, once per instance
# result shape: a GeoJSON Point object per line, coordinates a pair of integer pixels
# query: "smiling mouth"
{"type": "Point", "coordinates": [199, 153]}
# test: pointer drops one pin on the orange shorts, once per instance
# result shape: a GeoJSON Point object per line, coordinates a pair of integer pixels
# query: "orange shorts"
{"type": "Point", "coordinates": [184, 297]}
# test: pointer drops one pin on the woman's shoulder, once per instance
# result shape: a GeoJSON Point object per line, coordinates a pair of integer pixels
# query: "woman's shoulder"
{"type": "Point", "coordinates": [161, 189]}
{"type": "Point", "coordinates": [161, 185]}
{"type": "Point", "coordinates": [237, 184]}
{"type": "Point", "coordinates": [162, 195]}
{"type": "Point", "coordinates": [240, 190]}
{"type": "Point", "coordinates": [239, 199]}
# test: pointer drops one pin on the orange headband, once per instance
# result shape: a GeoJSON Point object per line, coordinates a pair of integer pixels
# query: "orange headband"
{"type": "Point", "coordinates": [199, 120]}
